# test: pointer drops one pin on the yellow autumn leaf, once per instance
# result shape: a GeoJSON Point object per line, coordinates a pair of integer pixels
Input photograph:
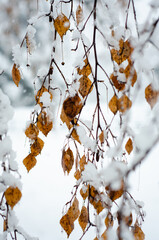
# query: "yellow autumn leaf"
{"type": "Point", "coordinates": [74, 211]}
{"type": "Point", "coordinates": [29, 162]}
{"type": "Point", "coordinates": [85, 86]}
{"type": "Point", "coordinates": [37, 146]}
{"type": "Point", "coordinates": [77, 175]}
{"type": "Point", "coordinates": [67, 160]}
{"type": "Point", "coordinates": [98, 206]}
{"type": "Point", "coordinates": [67, 224]}
{"type": "Point", "coordinates": [115, 194]}
{"type": "Point", "coordinates": [151, 95]}
{"type": "Point", "coordinates": [104, 235]}
{"type": "Point", "coordinates": [83, 218]}
{"type": "Point", "coordinates": [117, 84]}
{"type": "Point", "coordinates": [16, 75]}
{"type": "Point", "coordinates": [109, 220]}
{"type": "Point", "coordinates": [86, 70]}
{"type": "Point", "coordinates": [5, 225]}
{"type": "Point", "coordinates": [113, 104]}
{"type": "Point", "coordinates": [124, 103]}
{"type": "Point", "coordinates": [82, 163]}
{"type": "Point", "coordinates": [44, 123]}
{"type": "Point", "coordinates": [32, 131]}
{"type": "Point", "coordinates": [102, 137]}
{"type": "Point", "coordinates": [129, 146]}
{"type": "Point", "coordinates": [84, 194]}
{"type": "Point", "coordinates": [12, 196]}
{"type": "Point", "coordinates": [138, 233]}
{"type": "Point", "coordinates": [61, 24]}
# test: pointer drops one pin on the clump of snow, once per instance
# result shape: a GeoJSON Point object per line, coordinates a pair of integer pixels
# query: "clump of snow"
{"type": "Point", "coordinates": [31, 41]}
{"type": "Point", "coordinates": [45, 99]}
{"type": "Point", "coordinates": [85, 140]}
{"type": "Point", "coordinates": [17, 55]}
{"type": "Point", "coordinates": [74, 88]}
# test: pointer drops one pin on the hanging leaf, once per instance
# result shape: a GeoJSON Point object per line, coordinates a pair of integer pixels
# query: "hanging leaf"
{"type": "Point", "coordinates": [93, 192]}
{"type": "Point", "coordinates": [129, 219]}
{"type": "Point", "coordinates": [44, 123]}
{"type": "Point", "coordinates": [32, 131]}
{"type": "Point", "coordinates": [13, 196]}
{"type": "Point", "coordinates": [74, 211]}
{"type": "Point", "coordinates": [77, 174]}
{"type": "Point", "coordinates": [72, 106]}
{"type": "Point", "coordinates": [5, 225]}
{"type": "Point", "coordinates": [16, 75]}
{"type": "Point", "coordinates": [84, 194]}
{"type": "Point", "coordinates": [98, 206]}
{"type": "Point", "coordinates": [86, 70]}
{"type": "Point", "coordinates": [61, 24]}
{"type": "Point", "coordinates": [65, 119]}
{"type": "Point", "coordinates": [117, 84]}
{"type": "Point", "coordinates": [115, 194]}
{"type": "Point", "coordinates": [124, 103]}
{"type": "Point", "coordinates": [67, 160]}
{"type": "Point", "coordinates": [125, 50]}
{"type": "Point", "coordinates": [79, 14]}
{"type": "Point", "coordinates": [102, 137]}
{"type": "Point", "coordinates": [67, 224]}
{"type": "Point", "coordinates": [151, 95]}
{"type": "Point", "coordinates": [130, 72]}
{"type": "Point", "coordinates": [129, 146]}
{"type": "Point", "coordinates": [85, 86]}
{"type": "Point", "coordinates": [75, 136]}
{"type": "Point", "coordinates": [40, 93]}
{"type": "Point", "coordinates": [29, 162]}
{"type": "Point", "coordinates": [83, 218]}
{"type": "Point", "coordinates": [82, 163]}
{"type": "Point", "coordinates": [113, 104]}
{"type": "Point", "coordinates": [138, 233]}
{"type": "Point", "coordinates": [109, 220]}
{"type": "Point", "coordinates": [37, 146]}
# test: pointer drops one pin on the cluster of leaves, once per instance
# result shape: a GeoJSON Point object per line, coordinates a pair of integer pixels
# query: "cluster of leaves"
{"type": "Point", "coordinates": [101, 187]}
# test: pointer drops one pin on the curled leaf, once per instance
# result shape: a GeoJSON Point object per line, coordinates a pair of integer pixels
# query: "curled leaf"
{"type": "Point", "coordinates": [29, 162]}
{"type": "Point", "coordinates": [61, 24]}
{"type": "Point", "coordinates": [13, 196]}
{"type": "Point", "coordinates": [16, 75]}
{"type": "Point", "coordinates": [67, 160]}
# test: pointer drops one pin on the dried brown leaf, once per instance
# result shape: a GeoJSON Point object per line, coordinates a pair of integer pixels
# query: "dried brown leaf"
{"type": "Point", "coordinates": [72, 106]}
{"type": "Point", "coordinates": [67, 160]}
{"type": "Point", "coordinates": [124, 103]}
{"type": "Point", "coordinates": [85, 86]}
{"type": "Point", "coordinates": [32, 131]}
{"type": "Point", "coordinates": [67, 224]}
{"type": "Point", "coordinates": [16, 75]}
{"type": "Point", "coordinates": [44, 123]}
{"type": "Point", "coordinates": [83, 218]}
{"type": "Point", "coordinates": [151, 95]}
{"type": "Point", "coordinates": [37, 146]}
